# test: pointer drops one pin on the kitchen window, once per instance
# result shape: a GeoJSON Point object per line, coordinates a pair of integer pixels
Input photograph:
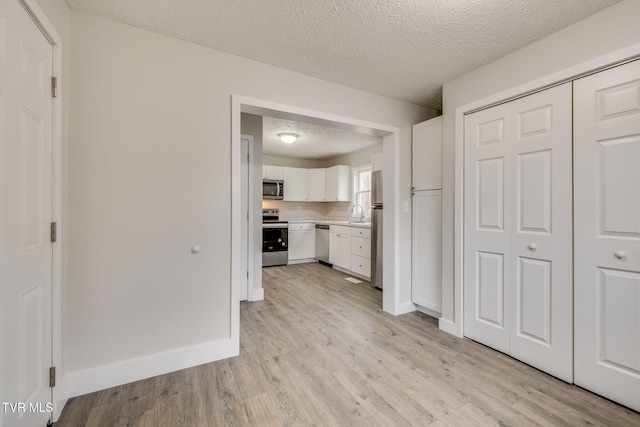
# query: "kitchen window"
{"type": "Point", "coordinates": [362, 190]}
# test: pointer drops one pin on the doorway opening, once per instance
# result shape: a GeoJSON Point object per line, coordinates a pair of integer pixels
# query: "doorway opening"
{"type": "Point", "coordinates": [259, 107]}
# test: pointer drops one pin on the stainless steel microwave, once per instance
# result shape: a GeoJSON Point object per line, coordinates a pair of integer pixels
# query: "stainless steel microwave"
{"type": "Point", "coordinates": [273, 189]}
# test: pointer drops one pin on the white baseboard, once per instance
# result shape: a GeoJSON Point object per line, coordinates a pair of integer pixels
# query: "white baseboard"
{"type": "Point", "coordinates": [90, 380]}
{"type": "Point", "coordinates": [428, 311]}
{"type": "Point", "coordinates": [450, 327]}
{"type": "Point", "coordinates": [403, 308]}
{"type": "Point", "coordinates": [257, 295]}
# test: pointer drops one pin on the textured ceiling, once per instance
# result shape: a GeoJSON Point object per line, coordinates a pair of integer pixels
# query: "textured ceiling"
{"type": "Point", "coordinates": [403, 49]}
{"type": "Point", "coordinates": [315, 142]}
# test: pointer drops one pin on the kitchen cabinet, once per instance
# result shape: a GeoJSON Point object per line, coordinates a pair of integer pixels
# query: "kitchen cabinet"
{"type": "Point", "coordinates": [316, 184]}
{"type": "Point", "coordinates": [295, 185]}
{"type": "Point", "coordinates": [340, 246]}
{"type": "Point", "coordinates": [312, 185]}
{"type": "Point", "coordinates": [376, 162]}
{"type": "Point", "coordinates": [338, 184]}
{"type": "Point", "coordinates": [361, 251]}
{"type": "Point", "coordinates": [302, 246]}
{"type": "Point", "coordinates": [426, 290]}
{"type": "Point", "coordinates": [272, 172]}
{"type": "Point", "coordinates": [427, 155]}
{"type": "Point", "coordinates": [426, 221]}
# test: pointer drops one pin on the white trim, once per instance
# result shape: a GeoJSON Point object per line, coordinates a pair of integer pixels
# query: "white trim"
{"type": "Point", "coordinates": [59, 395]}
{"type": "Point", "coordinates": [391, 148]}
{"type": "Point", "coordinates": [103, 377]}
{"type": "Point", "coordinates": [574, 72]}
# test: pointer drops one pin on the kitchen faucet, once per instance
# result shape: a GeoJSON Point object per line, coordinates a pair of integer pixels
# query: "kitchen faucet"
{"type": "Point", "coordinates": [361, 211]}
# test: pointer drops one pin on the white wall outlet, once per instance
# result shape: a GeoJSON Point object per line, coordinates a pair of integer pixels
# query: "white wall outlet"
{"type": "Point", "coordinates": [405, 206]}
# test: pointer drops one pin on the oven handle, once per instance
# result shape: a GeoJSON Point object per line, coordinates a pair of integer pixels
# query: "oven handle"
{"type": "Point", "coordinates": [275, 225]}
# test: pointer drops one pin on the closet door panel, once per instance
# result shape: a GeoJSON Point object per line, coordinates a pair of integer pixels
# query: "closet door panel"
{"type": "Point", "coordinates": [518, 229]}
{"type": "Point", "coordinates": [607, 233]}
{"type": "Point", "coordinates": [541, 241]}
{"type": "Point", "coordinates": [486, 298]}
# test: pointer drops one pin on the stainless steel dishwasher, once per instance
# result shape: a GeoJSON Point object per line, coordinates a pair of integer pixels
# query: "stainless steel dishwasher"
{"type": "Point", "coordinates": [322, 244]}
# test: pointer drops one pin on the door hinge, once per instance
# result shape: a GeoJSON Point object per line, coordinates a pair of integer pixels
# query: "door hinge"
{"type": "Point", "coordinates": [54, 87]}
{"type": "Point", "coordinates": [247, 274]}
{"type": "Point", "coordinates": [54, 232]}
{"type": "Point", "coordinates": [52, 376]}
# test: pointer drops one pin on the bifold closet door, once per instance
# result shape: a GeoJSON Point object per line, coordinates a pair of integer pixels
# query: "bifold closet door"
{"type": "Point", "coordinates": [518, 290]}
{"type": "Point", "coordinates": [607, 233]}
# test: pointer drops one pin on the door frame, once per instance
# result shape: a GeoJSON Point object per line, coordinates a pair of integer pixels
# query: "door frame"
{"type": "Point", "coordinates": [455, 325]}
{"type": "Point", "coordinates": [46, 27]}
{"type": "Point", "coordinates": [391, 149]}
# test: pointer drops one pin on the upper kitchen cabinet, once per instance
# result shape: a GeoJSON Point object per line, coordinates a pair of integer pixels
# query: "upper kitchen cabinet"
{"type": "Point", "coordinates": [376, 162]}
{"type": "Point", "coordinates": [272, 172]}
{"type": "Point", "coordinates": [427, 155]}
{"type": "Point", "coordinates": [337, 184]}
{"type": "Point", "coordinates": [295, 185]}
{"type": "Point", "coordinates": [316, 183]}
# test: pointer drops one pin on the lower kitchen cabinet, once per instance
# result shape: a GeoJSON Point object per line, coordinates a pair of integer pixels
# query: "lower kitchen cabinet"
{"type": "Point", "coordinates": [302, 242]}
{"type": "Point", "coordinates": [340, 246]}
{"type": "Point", "coordinates": [427, 250]}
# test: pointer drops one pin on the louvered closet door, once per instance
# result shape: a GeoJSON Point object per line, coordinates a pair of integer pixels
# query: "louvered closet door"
{"type": "Point", "coordinates": [518, 234]}
{"type": "Point", "coordinates": [607, 233]}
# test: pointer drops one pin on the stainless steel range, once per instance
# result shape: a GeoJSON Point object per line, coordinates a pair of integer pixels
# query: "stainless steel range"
{"type": "Point", "coordinates": [275, 238]}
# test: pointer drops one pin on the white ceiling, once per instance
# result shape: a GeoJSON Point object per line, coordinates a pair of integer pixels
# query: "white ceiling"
{"type": "Point", "coordinates": [315, 142]}
{"type": "Point", "coordinates": [403, 49]}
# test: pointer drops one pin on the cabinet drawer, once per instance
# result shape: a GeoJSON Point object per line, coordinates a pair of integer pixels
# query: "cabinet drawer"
{"type": "Point", "coordinates": [340, 229]}
{"type": "Point", "coordinates": [361, 247]}
{"type": "Point", "coordinates": [301, 226]}
{"type": "Point", "coordinates": [361, 232]}
{"type": "Point", "coordinates": [361, 265]}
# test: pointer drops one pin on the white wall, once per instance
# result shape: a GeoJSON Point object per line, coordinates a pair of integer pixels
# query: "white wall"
{"type": "Point", "coordinates": [149, 177]}
{"type": "Point", "coordinates": [612, 29]}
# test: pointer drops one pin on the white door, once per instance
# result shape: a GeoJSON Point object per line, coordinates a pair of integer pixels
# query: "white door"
{"type": "Point", "coordinates": [518, 237]}
{"type": "Point", "coordinates": [25, 216]}
{"type": "Point", "coordinates": [607, 233]}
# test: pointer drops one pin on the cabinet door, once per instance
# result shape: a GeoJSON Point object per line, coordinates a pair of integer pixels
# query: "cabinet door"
{"type": "Point", "coordinates": [302, 243]}
{"type": "Point", "coordinates": [426, 278]}
{"type": "Point", "coordinates": [334, 248]}
{"type": "Point", "coordinates": [338, 184]}
{"type": "Point", "coordinates": [316, 179]}
{"type": "Point", "coordinates": [607, 233]}
{"type": "Point", "coordinates": [295, 185]}
{"type": "Point", "coordinates": [345, 251]}
{"type": "Point", "coordinates": [427, 155]}
{"type": "Point", "coordinates": [272, 172]}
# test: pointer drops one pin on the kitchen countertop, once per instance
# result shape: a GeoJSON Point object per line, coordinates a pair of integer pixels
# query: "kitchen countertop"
{"type": "Point", "coordinates": [330, 222]}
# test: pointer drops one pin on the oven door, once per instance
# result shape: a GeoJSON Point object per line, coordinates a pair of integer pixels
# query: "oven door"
{"type": "Point", "coordinates": [275, 245]}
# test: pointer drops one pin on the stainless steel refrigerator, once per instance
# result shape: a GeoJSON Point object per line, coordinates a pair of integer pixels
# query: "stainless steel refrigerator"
{"type": "Point", "coordinates": [376, 229]}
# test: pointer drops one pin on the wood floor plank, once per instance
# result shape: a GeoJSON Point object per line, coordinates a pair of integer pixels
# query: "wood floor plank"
{"type": "Point", "coordinates": [319, 351]}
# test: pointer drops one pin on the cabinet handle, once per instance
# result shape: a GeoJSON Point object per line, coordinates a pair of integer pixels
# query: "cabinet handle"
{"type": "Point", "coordinates": [621, 255]}
{"type": "Point", "coordinates": [532, 247]}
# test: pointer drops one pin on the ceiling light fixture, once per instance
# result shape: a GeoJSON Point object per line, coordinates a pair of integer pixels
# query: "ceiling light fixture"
{"type": "Point", "coordinates": [287, 137]}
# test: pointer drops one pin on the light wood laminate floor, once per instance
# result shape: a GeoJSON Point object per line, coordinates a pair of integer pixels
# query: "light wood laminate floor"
{"type": "Point", "coordinates": [320, 351]}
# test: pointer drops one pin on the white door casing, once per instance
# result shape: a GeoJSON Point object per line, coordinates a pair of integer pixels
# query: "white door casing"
{"type": "Point", "coordinates": [245, 165]}
{"type": "Point", "coordinates": [518, 234]}
{"type": "Point", "coordinates": [26, 213]}
{"type": "Point", "coordinates": [607, 233]}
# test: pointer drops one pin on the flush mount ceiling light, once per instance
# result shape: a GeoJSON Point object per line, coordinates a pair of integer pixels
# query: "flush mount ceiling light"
{"type": "Point", "coordinates": [288, 137]}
